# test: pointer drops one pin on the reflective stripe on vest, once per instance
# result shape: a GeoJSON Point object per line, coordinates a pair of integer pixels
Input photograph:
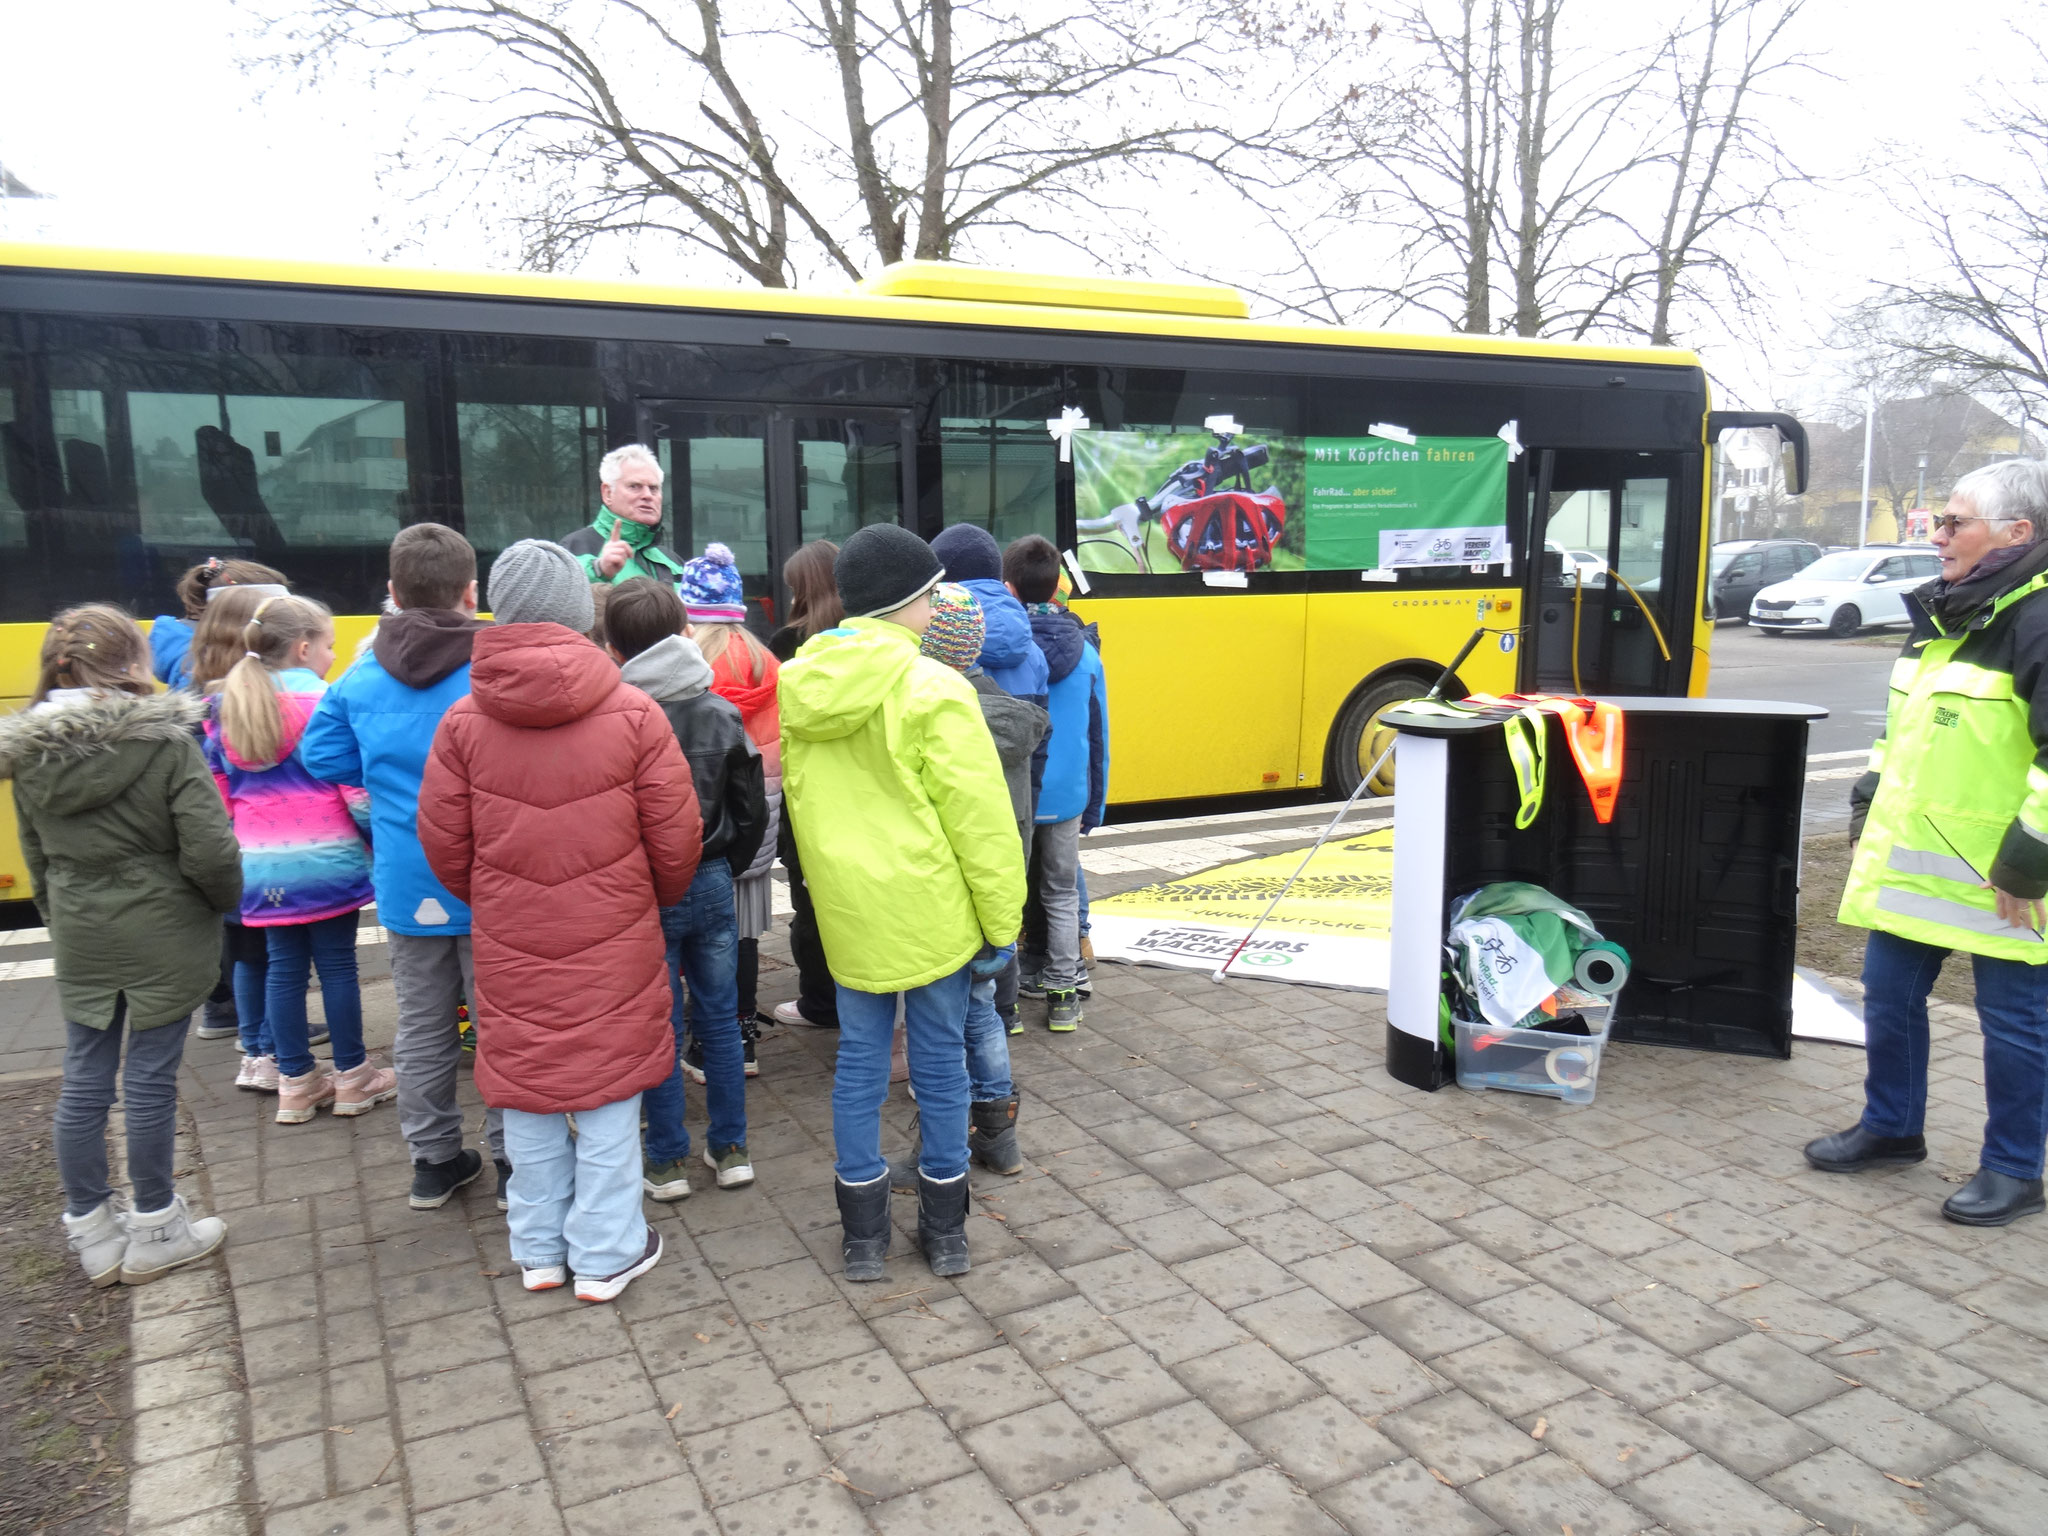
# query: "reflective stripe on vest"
{"type": "Point", "coordinates": [1943, 866]}
{"type": "Point", "coordinates": [1936, 909]}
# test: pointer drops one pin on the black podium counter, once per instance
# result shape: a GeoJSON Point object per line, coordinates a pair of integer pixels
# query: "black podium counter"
{"type": "Point", "coordinates": [1696, 875]}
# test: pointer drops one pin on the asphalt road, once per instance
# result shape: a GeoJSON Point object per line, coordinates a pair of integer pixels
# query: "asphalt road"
{"type": "Point", "coordinates": [1848, 678]}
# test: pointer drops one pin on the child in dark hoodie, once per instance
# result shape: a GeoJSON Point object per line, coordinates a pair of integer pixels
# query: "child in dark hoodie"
{"type": "Point", "coordinates": [1076, 784]}
{"type": "Point", "coordinates": [373, 728]}
{"type": "Point", "coordinates": [644, 631]}
{"type": "Point", "coordinates": [1012, 661]}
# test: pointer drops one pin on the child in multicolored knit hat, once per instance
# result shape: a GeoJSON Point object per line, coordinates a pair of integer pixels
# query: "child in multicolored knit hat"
{"type": "Point", "coordinates": [957, 627]}
{"type": "Point", "coordinates": [955, 637]}
{"type": "Point", "coordinates": [711, 589]}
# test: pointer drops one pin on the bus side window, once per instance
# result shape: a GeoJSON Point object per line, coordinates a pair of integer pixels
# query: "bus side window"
{"type": "Point", "coordinates": [529, 468]}
{"type": "Point", "coordinates": [17, 472]}
{"type": "Point", "coordinates": [1002, 474]}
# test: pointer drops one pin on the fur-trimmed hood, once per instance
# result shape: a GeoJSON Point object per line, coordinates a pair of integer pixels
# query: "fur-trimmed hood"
{"type": "Point", "coordinates": [70, 758]}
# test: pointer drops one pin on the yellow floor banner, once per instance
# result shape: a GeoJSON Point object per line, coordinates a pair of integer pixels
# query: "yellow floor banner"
{"type": "Point", "coordinates": [1331, 931]}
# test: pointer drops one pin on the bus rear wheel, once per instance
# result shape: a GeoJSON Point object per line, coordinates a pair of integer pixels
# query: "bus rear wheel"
{"type": "Point", "coordinates": [1360, 736]}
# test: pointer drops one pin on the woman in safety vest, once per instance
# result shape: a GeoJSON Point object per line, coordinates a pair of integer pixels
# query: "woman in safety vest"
{"type": "Point", "coordinates": [1953, 823]}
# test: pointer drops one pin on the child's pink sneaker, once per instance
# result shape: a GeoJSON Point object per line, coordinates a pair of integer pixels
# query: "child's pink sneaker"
{"type": "Point", "coordinates": [299, 1097]}
{"type": "Point", "coordinates": [258, 1074]}
{"type": "Point", "coordinates": [363, 1087]}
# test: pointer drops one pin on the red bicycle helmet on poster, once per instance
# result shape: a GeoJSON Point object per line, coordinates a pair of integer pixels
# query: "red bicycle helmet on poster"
{"type": "Point", "coordinates": [1212, 518]}
{"type": "Point", "coordinates": [1229, 531]}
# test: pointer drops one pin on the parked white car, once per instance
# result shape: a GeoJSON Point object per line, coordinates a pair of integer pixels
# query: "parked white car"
{"type": "Point", "coordinates": [1841, 593]}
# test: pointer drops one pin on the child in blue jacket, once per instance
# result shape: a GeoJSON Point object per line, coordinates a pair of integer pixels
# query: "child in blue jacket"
{"type": "Point", "coordinates": [374, 728]}
{"type": "Point", "coordinates": [1075, 790]}
{"type": "Point", "coordinates": [1013, 662]}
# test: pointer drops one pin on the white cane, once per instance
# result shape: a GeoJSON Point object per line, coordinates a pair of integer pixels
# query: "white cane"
{"type": "Point", "coordinates": [1435, 691]}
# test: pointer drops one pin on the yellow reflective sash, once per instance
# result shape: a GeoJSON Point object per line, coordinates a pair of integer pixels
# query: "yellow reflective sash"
{"type": "Point", "coordinates": [1529, 751]}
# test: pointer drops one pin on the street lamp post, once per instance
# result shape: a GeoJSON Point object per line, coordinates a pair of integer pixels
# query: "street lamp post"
{"type": "Point", "coordinates": [1920, 496]}
{"type": "Point", "coordinates": [1869, 419]}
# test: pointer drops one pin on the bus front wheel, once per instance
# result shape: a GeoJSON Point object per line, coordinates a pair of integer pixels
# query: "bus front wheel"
{"type": "Point", "coordinates": [1361, 736]}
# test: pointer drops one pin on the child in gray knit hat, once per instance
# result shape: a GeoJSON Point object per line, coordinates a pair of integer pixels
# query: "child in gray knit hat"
{"type": "Point", "coordinates": [536, 582]}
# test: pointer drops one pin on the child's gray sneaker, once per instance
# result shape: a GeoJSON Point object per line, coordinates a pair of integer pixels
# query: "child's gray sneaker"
{"type": "Point", "coordinates": [1030, 983]}
{"type": "Point", "coordinates": [217, 1021]}
{"type": "Point", "coordinates": [161, 1241]}
{"type": "Point", "coordinates": [732, 1167]}
{"type": "Point", "coordinates": [100, 1241]}
{"type": "Point", "coordinates": [666, 1181]}
{"type": "Point", "coordinates": [1062, 1011]}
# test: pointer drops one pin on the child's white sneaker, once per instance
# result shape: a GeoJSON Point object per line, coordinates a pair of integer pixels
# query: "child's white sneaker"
{"type": "Point", "coordinates": [161, 1241]}
{"type": "Point", "coordinates": [544, 1277]}
{"type": "Point", "coordinates": [609, 1287]}
{"type": "Point", "coordinates": [258, 1074]}
{"type": "Point", "coordinates": [100, 1241]}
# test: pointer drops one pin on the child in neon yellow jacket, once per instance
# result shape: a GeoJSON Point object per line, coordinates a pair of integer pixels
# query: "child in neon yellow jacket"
{"type": "Point", "coordinates": [903, 820]}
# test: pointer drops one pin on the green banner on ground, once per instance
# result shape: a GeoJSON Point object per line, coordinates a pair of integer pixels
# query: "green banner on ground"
{"type": "Point", "coordinates": [1377, 503]}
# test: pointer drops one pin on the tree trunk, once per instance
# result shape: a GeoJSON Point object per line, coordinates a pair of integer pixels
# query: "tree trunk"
{"type": "Point", "coordinates": [842, 27]}
{"type": "Point", "coordinates": [934, 237]}
{"type": "Point", "coordinates": [1538, 36]}
{"type": "Point", "coordinates": [1480, 146]}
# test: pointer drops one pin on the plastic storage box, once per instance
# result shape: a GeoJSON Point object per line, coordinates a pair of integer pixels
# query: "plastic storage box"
{"type": "Point", "coordinates": [1696, 876]}
{"type": "Point", "coordinates": [1533, 1060]}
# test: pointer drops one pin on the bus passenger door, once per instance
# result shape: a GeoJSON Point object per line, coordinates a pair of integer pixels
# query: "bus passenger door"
{"type": "Point", "coordinates": [765, 479]}
{"type": "Point", "coordinates": [1613, 571]}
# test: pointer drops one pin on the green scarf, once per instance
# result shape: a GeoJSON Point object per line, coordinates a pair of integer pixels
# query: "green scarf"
{"type": "Point", "coordinates": [647, 559]}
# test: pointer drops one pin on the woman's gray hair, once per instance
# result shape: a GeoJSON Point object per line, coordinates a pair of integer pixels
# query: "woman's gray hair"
{"type": "Point", "coordinates": [613, 464]}
{"type": "Point", "coordinates": [2007, 491]}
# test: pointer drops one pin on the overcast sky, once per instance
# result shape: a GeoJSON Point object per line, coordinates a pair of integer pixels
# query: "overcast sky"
{"type": "Point", "coordinates": [133, 116]}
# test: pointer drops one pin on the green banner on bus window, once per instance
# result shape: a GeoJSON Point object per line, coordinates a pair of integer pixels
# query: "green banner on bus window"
{"type": "Point", "coordinates": [1376, 503]}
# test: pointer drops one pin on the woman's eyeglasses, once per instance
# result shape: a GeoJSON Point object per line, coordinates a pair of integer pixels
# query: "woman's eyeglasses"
{"type": "Point", "coordinates": [1949, 522]}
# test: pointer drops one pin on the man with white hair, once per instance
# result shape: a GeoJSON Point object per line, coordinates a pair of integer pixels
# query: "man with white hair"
{"type": "Point", "coordinates": [1952, 851]}
{"type": "Point", "coordinates": [624, 540]}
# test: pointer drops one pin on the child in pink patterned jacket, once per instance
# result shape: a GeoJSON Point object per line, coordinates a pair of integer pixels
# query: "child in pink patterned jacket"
{"type": "Point", "coordinates": [305, 861]}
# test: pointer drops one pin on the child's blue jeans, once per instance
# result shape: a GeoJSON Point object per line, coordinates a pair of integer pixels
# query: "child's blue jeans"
{"type": "Point", "coordinates": [575, 1200]}
{"type": "Point", "coordinates": [988, 1044]}
{"type": "Point", "coordinates": [252, 1012]}
{"type": "Point", "coordinates": [934, 1022]}
{"type": "Point", "coordinates": [328, 946]}
{"type": "Point", "coordinates": [704, 951]}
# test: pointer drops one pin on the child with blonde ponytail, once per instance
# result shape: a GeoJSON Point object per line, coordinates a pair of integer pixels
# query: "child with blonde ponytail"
{"type": "Point", "coordinates": [305, 861]}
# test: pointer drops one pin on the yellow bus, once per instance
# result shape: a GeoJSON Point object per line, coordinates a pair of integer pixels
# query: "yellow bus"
{"type": "Point", "coordinates": [1277, 529]}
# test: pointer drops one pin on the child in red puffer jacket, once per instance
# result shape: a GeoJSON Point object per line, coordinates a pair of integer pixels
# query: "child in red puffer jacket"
{"type": "Point", "coordinates": [558, 806]}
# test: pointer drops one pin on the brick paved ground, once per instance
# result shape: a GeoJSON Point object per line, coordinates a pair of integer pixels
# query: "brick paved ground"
{"type": "Point", "coordinates": [1247, 1285]}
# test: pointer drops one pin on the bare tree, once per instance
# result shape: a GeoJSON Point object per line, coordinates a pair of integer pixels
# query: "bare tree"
{"type": "Point", "coordinates": [1551, 183]}
{"type": "Point", "coordinates": [1979, 318]}
{"type": "Point", "coordinates": [1490, 147]}
{"type": "Point", "coordinates": [787, 137]}
{"type": "Point", "coordinates": [1727, 173]}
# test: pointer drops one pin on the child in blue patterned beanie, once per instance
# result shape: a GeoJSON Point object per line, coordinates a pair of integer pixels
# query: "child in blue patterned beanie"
{"type": "Point", "coordinates": [711, 589]}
